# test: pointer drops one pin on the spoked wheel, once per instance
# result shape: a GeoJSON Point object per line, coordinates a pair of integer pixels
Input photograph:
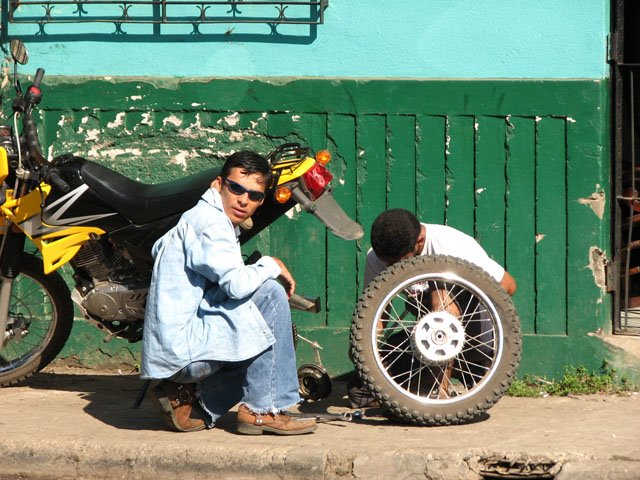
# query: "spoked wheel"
{"type": "Point", "coordinates": [40, 321]}
{"type": "Point", "coordinates": [436, 340]}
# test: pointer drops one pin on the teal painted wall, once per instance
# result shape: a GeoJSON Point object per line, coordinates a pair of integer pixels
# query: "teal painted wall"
{"type": "Point", "coordinates": [376, 38]}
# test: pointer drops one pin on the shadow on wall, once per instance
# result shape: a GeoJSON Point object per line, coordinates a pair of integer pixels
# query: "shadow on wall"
{"type": "Point", "coordinates": [261, 21]}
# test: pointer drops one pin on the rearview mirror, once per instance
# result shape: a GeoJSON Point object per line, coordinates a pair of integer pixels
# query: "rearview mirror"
{"type": "Point", "coordinates": [19, 52]}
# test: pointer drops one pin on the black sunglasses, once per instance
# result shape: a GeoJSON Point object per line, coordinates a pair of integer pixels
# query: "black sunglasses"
{"type": "Point", "coordinates": [237, 189]}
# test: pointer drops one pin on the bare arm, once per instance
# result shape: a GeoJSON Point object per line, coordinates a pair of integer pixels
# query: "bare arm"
{"type": "Point", "coordinates": [508, 283]}
{"type": "Point", "coordinates": [286, 278]}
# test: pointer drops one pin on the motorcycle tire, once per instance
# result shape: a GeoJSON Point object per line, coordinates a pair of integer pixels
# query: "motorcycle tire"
{"type": "Point", "coordinates": [435, 365]}
{"type": "Point", "coordinates": [42, 304]}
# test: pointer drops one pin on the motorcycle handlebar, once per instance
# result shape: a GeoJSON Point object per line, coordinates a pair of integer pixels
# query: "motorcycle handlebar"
{"type": "Point", "coordinates": [32, 98]}
{"type": "Point", "coordinates": [54, 179]}
{"type": "Point", "coordinates": [31, 136]}
{"type": "Point", "coordinates": [37, 80]}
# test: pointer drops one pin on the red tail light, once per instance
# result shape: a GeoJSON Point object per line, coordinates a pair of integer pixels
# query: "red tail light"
{"type": "Point", "coordinates": [317, 179]}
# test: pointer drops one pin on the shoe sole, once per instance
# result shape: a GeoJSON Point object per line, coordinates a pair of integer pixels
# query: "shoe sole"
{"type": "Point", "coordinates": [169, 416]}
{"type": "Point", "coordinates": [249, 429]}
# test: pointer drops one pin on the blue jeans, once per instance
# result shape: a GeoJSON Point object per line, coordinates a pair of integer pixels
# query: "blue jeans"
{"type": "Point", "coordinates": [267, 382]}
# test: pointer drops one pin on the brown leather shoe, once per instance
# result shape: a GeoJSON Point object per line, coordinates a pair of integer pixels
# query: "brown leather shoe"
{"type": "Point", "coordinates": [176, 403]}
{"type": "Point", "coordinates": [250, 423]}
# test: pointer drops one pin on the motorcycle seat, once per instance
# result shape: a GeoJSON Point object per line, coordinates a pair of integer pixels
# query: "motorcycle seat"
{"type": "Point", "coordinates": [141, 202]}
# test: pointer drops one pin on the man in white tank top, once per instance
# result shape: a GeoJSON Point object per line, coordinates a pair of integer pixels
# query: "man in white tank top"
{"type": "Point", "coordinates": [397, 234]}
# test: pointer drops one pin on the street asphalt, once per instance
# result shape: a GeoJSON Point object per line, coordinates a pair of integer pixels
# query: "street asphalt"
{"type": "Point", "coordinates": [80, 424]}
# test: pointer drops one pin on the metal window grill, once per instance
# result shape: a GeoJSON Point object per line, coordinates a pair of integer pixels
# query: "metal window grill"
{"type": "Point", "coordinates": [164, 12]}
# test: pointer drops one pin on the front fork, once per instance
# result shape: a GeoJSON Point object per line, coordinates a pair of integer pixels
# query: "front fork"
{"type": "Point", "coordinates": [10, 259]}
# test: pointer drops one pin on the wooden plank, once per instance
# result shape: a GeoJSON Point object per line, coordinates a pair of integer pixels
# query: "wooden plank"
{"type": "Point", "coordinates": [551, 227]}
{"type": "Point", "coordinates": [371, 177]}
{"type": "Point", "coordinates": [520, 216]}
{"type": "Point", "coordinates": [587, 223]}
{"type": "Point", "coordinates": [430, 168]}
{"type": "Point", "coordinates": [342, 256]}
{"type": "Point", "coordinates": [298, 233]}
{"type": "Point", "coordinates": [490, 187]}
{"type": "Point", "coordinates": [401, 163]}
{"type": "Point", "coordinates": [460, 173]}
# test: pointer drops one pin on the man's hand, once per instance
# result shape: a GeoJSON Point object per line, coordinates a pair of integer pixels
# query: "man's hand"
{"type": "Point", "coordinates": [286, 278]}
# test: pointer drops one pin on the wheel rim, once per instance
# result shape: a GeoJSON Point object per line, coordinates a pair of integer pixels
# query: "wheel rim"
{"type": "Point", "coordinates": [429, 354]}
{"type": "Point", "coordinates": [30, 306]}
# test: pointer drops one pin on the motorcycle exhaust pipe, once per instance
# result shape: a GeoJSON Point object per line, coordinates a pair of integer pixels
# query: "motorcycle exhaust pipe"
{"type": "Point", "coordinates": [306, 304]}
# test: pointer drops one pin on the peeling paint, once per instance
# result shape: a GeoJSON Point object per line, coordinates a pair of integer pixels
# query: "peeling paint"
{"type": "Point", "coordinates": [480, 190]}
{"type": "Point", "coordinates": [538, 118]}
{"type": "Point", "coordinates": [173, 120]}
{"type": "Point", "coordinates": [181, 159]}
{"type": "Point", "coordinates": [112, 153]}
{"type": "Point", "coordinates": [292, 212]}
{"type": "Point", "coordinates": [196, 104]}
{"type": "Point", "coordinates": [572, 120]}
{"type": "Point", "coordinates": [597, 265]}
{"type": "Point", "coordinates": [92, 135]}
{"type": "Point", "coordinates": [596, 201]}
{"type": "Point", "coordinates": [231, 120]}
{"type": "Point", "coordinates": [118, 121]}
{"type": "Point", "coordinates": [236, 137]}
{"type": "Point", "coordinates": [146, 119]}
{"type": "Point", "coordinates": [136, 97]}
{"type": "Point", "coordinates": [540, 237]}
{"type": "Point", "coordinates": [295, 118]}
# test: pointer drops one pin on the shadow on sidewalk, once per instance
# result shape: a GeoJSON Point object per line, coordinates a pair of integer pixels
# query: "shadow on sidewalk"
{"type": "Point", "coordinates": [110, 397]}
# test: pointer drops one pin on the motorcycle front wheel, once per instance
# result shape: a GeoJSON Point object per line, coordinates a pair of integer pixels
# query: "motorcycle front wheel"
{"type": "Point", "coordinates": [40, 321]}
{"type": "Point", "coordinates": [436, 340]}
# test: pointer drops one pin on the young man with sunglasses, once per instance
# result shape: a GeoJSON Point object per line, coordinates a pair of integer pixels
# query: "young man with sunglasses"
{"type": "Point", "coordinates": [218, 332]}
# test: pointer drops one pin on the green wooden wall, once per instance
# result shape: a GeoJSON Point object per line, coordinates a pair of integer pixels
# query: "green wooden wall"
{"type": "Point", "coordinates": [521, 165]}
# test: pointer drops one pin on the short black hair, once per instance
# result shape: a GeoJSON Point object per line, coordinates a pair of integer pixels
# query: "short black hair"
{"type": "Point", "coordinates": [250, 163]}
{"type": "Point", "coordinates": [394, 233]}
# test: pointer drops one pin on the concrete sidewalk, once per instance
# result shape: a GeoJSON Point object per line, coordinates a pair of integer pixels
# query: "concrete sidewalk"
{"type": "Point", "coordinates": [80, 425]}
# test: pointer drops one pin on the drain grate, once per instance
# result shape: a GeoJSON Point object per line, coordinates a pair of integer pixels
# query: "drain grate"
{"type": "Point", "coordinates": [510, 468]}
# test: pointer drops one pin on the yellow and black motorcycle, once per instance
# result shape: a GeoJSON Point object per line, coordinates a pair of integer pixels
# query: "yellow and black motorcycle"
{"type": "Point", "coordinates": [103, 224]}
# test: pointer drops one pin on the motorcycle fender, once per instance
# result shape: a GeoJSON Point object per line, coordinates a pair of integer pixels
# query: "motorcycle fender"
{"type": "Point", "coordinates": [329, 212]}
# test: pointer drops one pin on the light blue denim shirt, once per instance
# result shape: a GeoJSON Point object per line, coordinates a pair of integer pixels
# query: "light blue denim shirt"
{"type": "Point", "coordinates": [199, 305]}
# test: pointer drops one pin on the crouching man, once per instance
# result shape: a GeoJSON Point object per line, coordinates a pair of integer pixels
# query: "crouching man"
{"type": "Point", "coordinates": [217, 332]}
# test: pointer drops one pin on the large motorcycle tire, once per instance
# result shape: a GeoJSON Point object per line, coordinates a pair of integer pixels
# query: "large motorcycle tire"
{"type": "Point", "coordinates": [43, 304]}
{"type": "Point", "coordinates": [428, 366]}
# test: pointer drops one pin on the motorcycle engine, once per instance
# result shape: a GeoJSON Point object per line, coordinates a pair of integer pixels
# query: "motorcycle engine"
{"type": "Point", "coordinates": [112, 294]}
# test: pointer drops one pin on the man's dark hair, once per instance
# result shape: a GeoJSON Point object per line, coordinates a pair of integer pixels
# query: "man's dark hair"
{"type": "Point", "coordinates": [250, 163]}
{"type": "Point", "coordinates": [394, 233]}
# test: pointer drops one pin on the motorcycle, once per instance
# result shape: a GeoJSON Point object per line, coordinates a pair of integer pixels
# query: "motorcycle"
{"type": "Point", "coordinates": [103, 224]}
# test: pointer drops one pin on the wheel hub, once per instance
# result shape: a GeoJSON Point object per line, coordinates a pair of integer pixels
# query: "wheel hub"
{"type": "Point", "coordinates": [437, 338]}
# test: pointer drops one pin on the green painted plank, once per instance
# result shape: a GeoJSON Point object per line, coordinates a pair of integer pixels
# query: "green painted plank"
{"type": "Point", "coordinates": [342, 257]}
{"type": "Point", "coordinates": [371, 177]}
{"type": "Point", "coordinates": [430, 168]}
{"type": "Point", "coordinates": [490, 185]}
{"type": "Point", "coordinates": [401, 163]}
{"type": "Point", "coordinates": [520, 219]}
{"type": "Point", "coordinates": [298, 232]}
{"type": "Point", "coordinates": [588, 228]}
{"type": "Point", "coordinates": [460, 173]}
{"type": "Point", "coordinates": [453, 97]}
{"type": "Point", "coordinates": [551, 226]}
